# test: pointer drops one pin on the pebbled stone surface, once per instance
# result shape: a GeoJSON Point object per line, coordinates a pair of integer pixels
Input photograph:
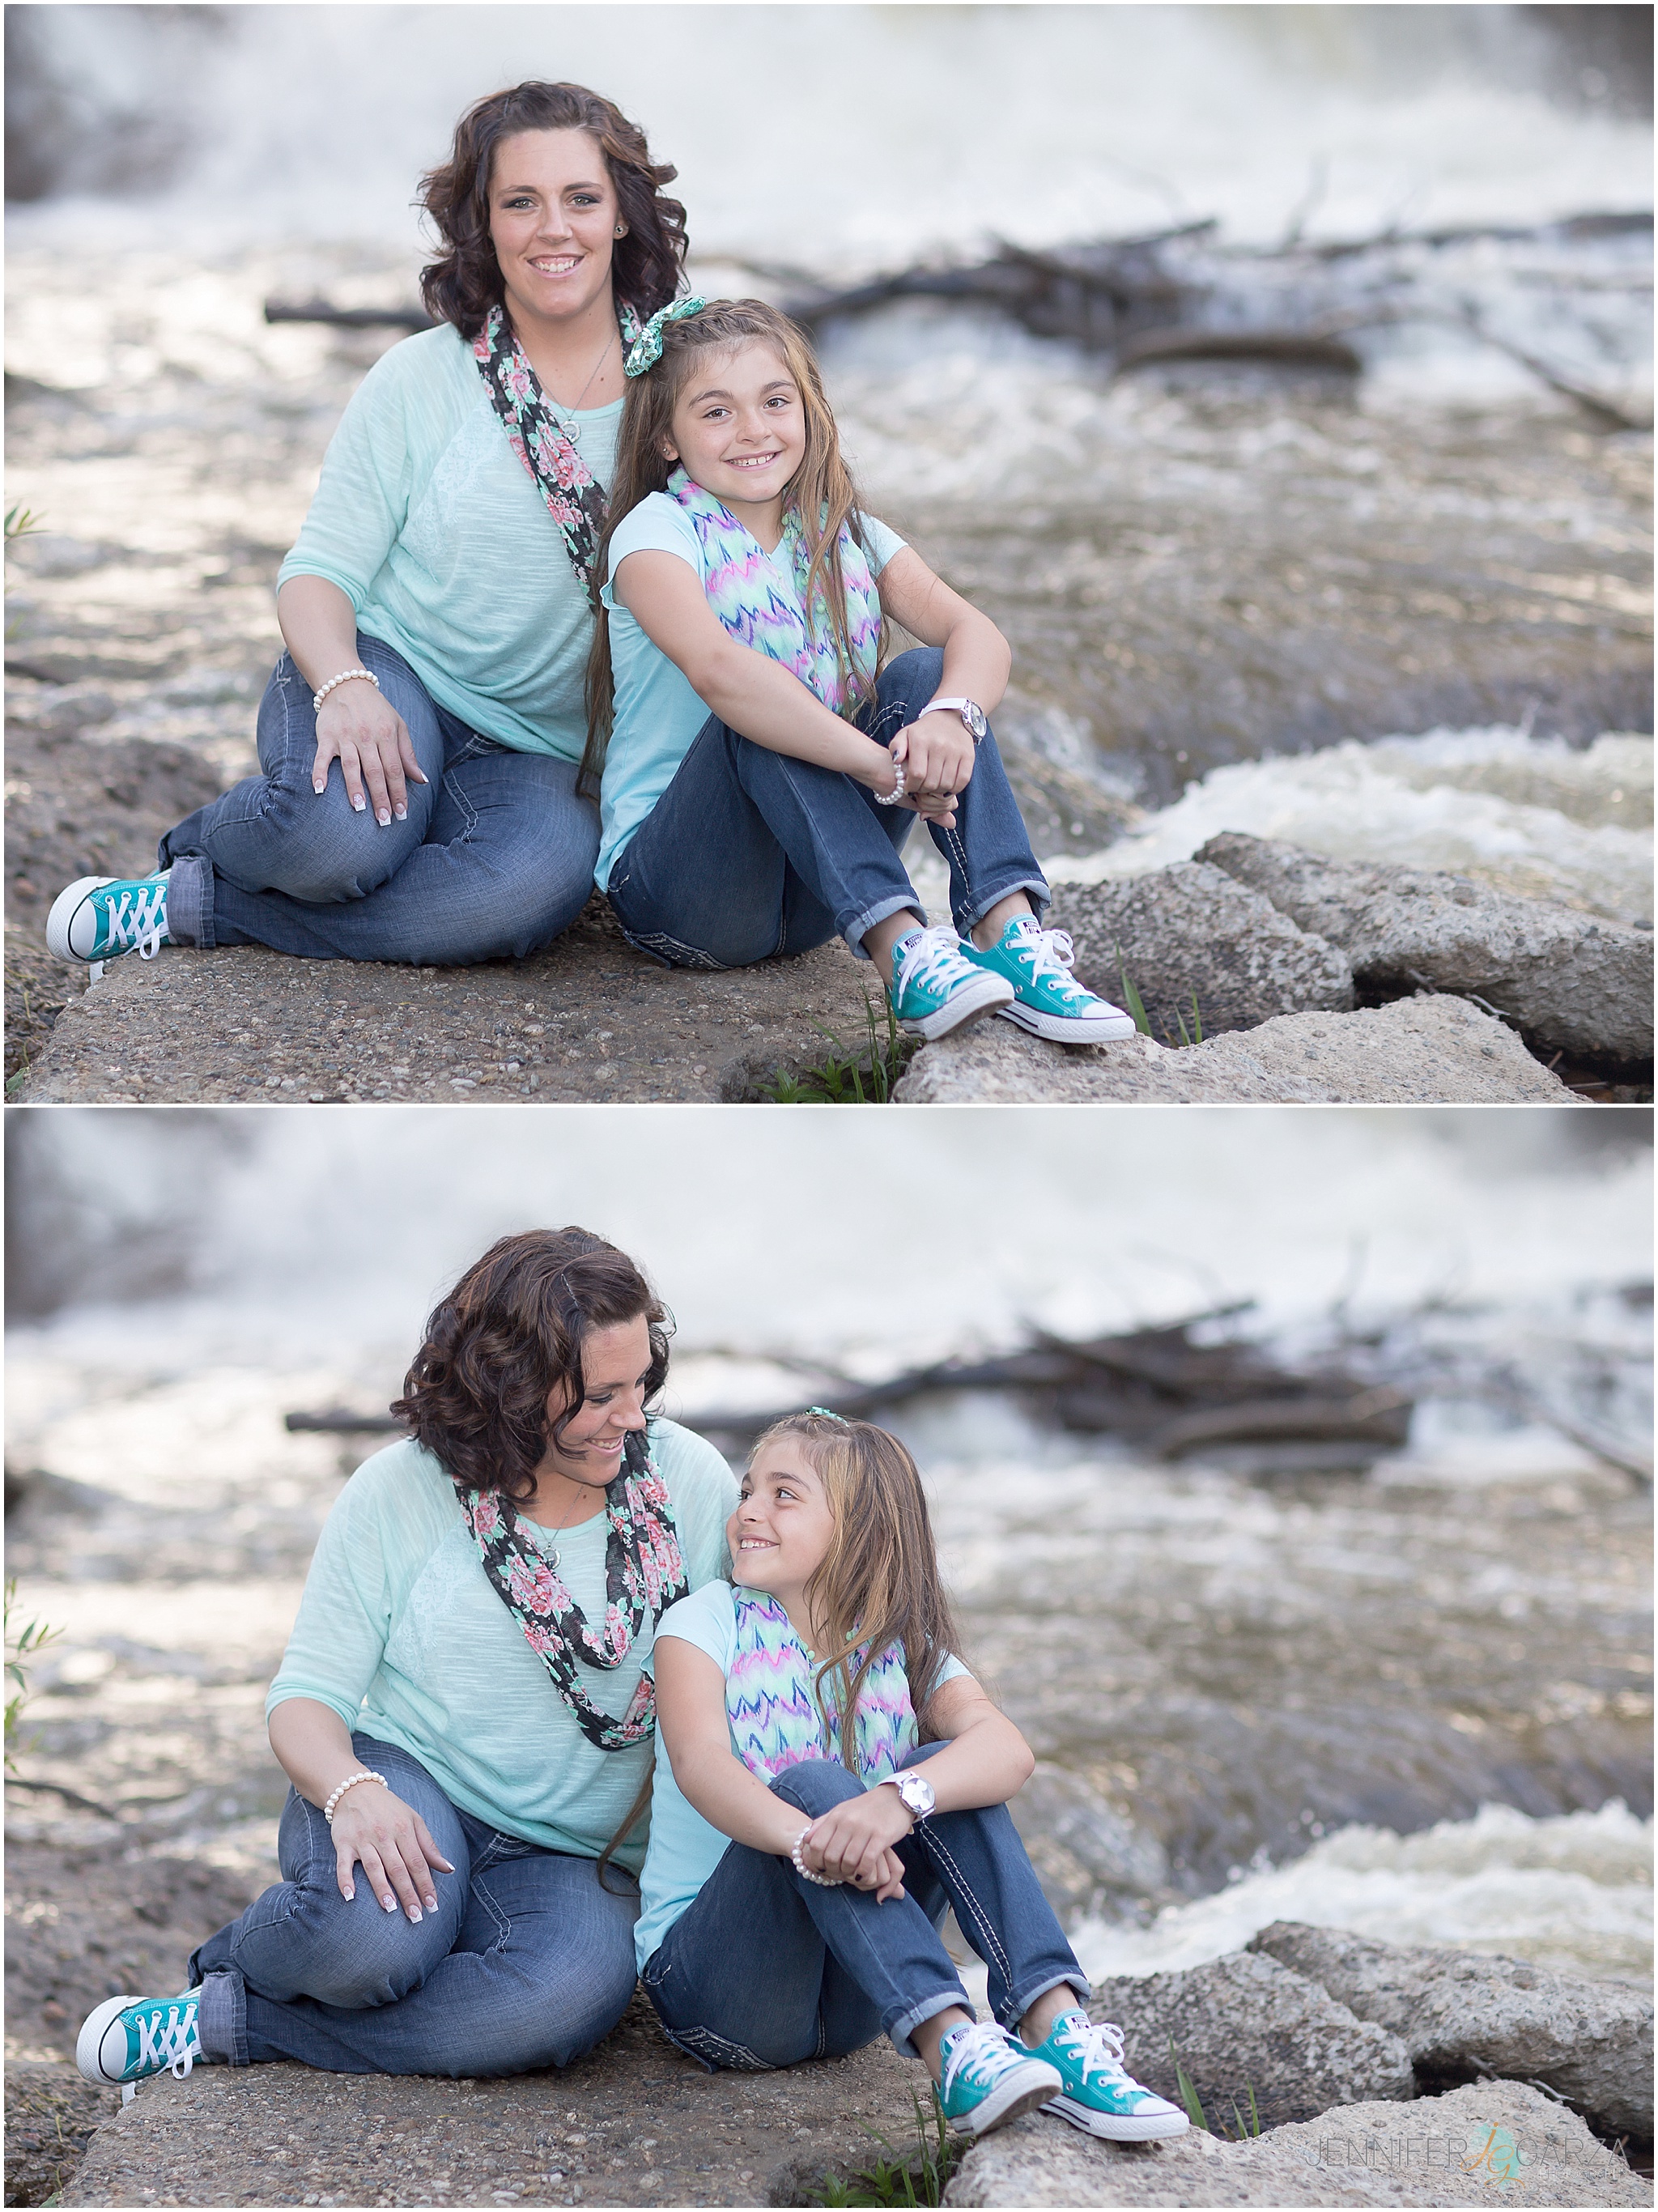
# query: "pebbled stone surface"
{"type": "Point", "coordinates": [1247, 2022]}
{"type": "Point", "coordinates": [1427, 1051]}
{"type": "Point", "coordinates": [1492, 2142]}
{"type": "Point", "coordinates": [1462, 2014]}
{"type": "Point", "coordinates": [1191, 931]}
{"type": "Point", "coordinates": [1571, 982]}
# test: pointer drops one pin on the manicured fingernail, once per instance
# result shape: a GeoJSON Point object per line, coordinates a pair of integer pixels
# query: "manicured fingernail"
{"type": "Point", "coordinates": [383, 818]}
{"type": "Point", "coordinates": [319, 788]}
{"type": "Point", "coordinates": [360, 805]}
{"type": "Point", "coordinates": [401, 813]}
{"type": "Point", "coordinates": [415, 1912]}
{"type": "Point", "coordinates": [389, 1904]}
{"type": "Point", "coordinates": [348, 1894]}
{"type": "Point", "coordinates": [431, 1905]}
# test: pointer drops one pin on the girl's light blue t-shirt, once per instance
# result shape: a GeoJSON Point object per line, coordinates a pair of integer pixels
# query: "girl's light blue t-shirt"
{"type": "Point", "coordinates": [685, 1847]}
{"type": "Point", "coordinates": [401, 1633]}
{"type": "Point", "coordinates": [429, 522]}
{"type": "Point", "coordinates": [657, 714]}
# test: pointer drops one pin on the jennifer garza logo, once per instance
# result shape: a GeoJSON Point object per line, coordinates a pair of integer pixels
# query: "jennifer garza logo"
{"type": "Point", "coordinates": [1491, 2155]}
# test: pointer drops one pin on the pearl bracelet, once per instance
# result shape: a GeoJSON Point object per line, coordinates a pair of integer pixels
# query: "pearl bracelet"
{"type": "Point", "coordinates": [822, 1881]}
{"type": "Point", "coordinates": [895, 795]}
{"type": "Point", "coordinates": [362, 1774]}
{"type": "Point", "coordinates": [345, 676]}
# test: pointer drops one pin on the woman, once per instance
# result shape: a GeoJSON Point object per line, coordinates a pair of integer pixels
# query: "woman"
{"type": "Point", "coordinates": [419, 741]}
{"type": "Point", "coordinates": [463, 1709]}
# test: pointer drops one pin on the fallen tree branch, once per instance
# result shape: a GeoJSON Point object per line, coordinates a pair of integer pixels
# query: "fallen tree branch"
{"type": "Point", "coordinates": [347, 318]}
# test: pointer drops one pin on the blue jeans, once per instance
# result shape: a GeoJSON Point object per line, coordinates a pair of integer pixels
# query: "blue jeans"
{"type": "Point", "coordinates": [763, 1969]}
{"type": "Point", "coordinates": [750, 852]}
{"type": "Point", "coordinates": [495, 857]}
{"type": "Point", "coordinates": [527, 1962]}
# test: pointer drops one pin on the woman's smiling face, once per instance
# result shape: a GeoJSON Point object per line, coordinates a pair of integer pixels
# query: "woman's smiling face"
{"type": "Point", "coordinates": [615, 1368]}
{"type": "Point", "coordinates": [781, 1531]}
{"type": "Point", "coordinates": [553, 215]}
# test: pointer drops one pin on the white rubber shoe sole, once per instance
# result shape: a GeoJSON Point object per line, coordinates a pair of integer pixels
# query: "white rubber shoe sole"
{"type": "Point", "coordinates": [989, 995]}
{"type": "Point", "coordinates": [64, 908]}
{"type": "Point", "coordinates": [1101, 1029]}
{"type": "Point", "coordinates": [89, 2045]}
{"type": "Point", "coordinates": [1114, 2127]}
{"type": "Point", "coordinates": [1010, 2099]}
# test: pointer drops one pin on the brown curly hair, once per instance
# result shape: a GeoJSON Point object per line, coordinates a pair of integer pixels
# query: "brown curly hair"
{"type": "Point", "coordinates": [465, 282]}
{"type": "Point", "coordinates": [510, 1332]}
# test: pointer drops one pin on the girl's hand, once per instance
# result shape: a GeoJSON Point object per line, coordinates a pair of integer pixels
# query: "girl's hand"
{"type": "Point", "coordinates": [367, 735]}
{"type": "Point", "coordinates": [937, 754]}
{"type": "Point", "coordinates": [853, 1841]}
{"type": "Point", "coordinates": [389, 1840]}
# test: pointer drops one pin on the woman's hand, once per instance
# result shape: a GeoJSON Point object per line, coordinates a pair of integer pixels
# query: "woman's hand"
{"type": "Point", "coordinates": [853, 1841]}
{"type": "Point", "coordinates": [375, 1830]}
{"type": "Point", "coordinates": [368, 738]}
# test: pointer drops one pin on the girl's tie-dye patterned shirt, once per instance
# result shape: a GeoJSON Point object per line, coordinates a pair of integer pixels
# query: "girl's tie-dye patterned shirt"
{"type": "Point", "coordinates": [774, 1722]}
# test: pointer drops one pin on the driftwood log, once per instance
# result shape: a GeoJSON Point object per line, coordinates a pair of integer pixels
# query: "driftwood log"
{"type": "Point", "coordinates": [1156, 1388]}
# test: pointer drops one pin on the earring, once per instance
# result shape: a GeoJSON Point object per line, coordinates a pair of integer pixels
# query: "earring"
{"type": "Point", "coordinates": [621, 230]}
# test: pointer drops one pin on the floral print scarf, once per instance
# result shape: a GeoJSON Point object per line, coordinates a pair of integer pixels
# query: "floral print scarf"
{"type": "Point", "coordinates": [643, 1575]}
{"type": "Point", "coordinates": [574, 500]}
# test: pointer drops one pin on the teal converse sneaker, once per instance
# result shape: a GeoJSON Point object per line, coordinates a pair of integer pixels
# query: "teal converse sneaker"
{"type": "Point", "coordinates": [129, 2038]}
{"type": "Point", "coordinates": [934, 989]}
{"type": "Point", "coordinates": [1048, 1001]}
{"type": "Point", "coordinates": [101, 917]}
{"type": "Point", "coordinates": [1098, 2097]}
{"type": "Point", "coordinates": [989, 2077]}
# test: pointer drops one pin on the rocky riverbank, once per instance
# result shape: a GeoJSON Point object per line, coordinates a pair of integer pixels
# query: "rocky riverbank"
{"type": "Point", "coordinates": [1312, 2098]}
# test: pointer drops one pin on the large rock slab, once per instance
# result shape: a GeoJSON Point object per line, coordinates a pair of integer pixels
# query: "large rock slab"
{"type": "Point", "coordinates": [1192, 937]}
{"type": "Point", "coordinates": [1429, 1051]}
{"type": "Point", "coordinates": [1244, 2023]}
{"type": "Point", "coordinates": [634, 2123]}
{"type": "Point", "coordinates": [588, 1019]}
{"type": "Point", "coordinates": [1493, 2143]}
{"type": "Point", "coordinates": [1572, 982]}
{"type": "Point", "coordinates": [1461, 2014]}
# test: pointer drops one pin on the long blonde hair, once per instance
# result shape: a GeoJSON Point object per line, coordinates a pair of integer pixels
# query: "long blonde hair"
{"type": "Point", "coordinates": [821, 494]}
{"type": "Point", "coordinates": [879, 1584]}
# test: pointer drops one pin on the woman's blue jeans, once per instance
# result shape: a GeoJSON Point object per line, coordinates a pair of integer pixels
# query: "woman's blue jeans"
{"type": "Point", "coordinates": [526, 1963]}
{"type": "Point", "coordinates": [763, 1969]}
{"type": "Point", "coordinates": [495, 857]}
{"type": "Point", "coordinates": [751, 854]}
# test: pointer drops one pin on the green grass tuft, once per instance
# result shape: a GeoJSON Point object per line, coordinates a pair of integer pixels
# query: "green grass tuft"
{"type": "Point", "coordinates": [864, 1076]}
{"type": "Point", "coordinates": [910, 2178]}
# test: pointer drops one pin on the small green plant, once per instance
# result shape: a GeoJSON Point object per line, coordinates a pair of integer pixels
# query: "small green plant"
{"type": "Point", "coordinates": [1194, 2104]}
{"type": "Point", "coordinates": [1195, 1035]}
{"type": "Point", "coordinates": [21, 522]}
{"type": "Point", "coordinates": [1135, 1006]}
{"type": "Point", "coordinates": [20, 1650]}
{"type": "Point", "coordinates": [907, 2177]}
{"type": "Point", "coordinates": [863, 1077]}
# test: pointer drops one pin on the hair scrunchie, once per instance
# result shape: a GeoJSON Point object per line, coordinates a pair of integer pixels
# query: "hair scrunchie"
{"type": "Point", "coordinates": [646, 349]}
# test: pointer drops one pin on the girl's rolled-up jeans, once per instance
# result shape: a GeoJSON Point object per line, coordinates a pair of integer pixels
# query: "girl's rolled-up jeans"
{"type": "Point", "coordinates": [751, 854]}
{"type": "Point", "coordinates": [764, 1969]}
{"type": "Point", "coordinates": [527, 1961]}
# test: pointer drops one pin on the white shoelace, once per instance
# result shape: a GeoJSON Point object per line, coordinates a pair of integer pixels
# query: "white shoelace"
{"type": "Point", "coordinates": [174, 2044]}
{"type": "Point", "coordinates": [934, 958]}
{"type": "Point", "coordinates": [1100, 2043]}
{"type": "Point", "coordinates": [1050, 954]}
{"type": "Point", "coordinates": [974, 2046]}
{"type": "Point", "coordinates": [145, 926]}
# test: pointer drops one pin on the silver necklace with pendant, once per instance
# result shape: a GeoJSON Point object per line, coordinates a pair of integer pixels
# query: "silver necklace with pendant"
{"type": "Point", "coordinates": [573, 429]}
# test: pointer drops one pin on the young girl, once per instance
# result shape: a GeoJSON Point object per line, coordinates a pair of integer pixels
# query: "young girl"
{"type": "Point", "coordinates": [799, 1865]}
{"type": "Point", "coordinates": [760, 767]}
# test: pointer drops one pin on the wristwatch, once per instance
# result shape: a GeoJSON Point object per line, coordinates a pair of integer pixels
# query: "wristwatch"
{"type": "Point", "coordinates": [915, 1790]}
{"type": "Point", "coordinates": [972, 714]}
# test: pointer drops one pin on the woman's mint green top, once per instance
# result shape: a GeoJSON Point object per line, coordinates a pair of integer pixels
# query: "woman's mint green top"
{"type": "Point", "coordinates": [685, 1849]}
{"type": "Point", "coordinates": [658, 715]}
{"type": "Point", "coordinates": [401, 1634]}
{"type": "Point", "coordinates": [427, 520]}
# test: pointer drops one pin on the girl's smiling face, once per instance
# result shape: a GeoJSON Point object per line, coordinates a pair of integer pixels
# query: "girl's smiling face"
{"type": "Point", "coordinates": [781, 1531]}
{"type": "Point", "coordinates": [553, 216]}
{"type": "Point", "coordinates": [739, 430]}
